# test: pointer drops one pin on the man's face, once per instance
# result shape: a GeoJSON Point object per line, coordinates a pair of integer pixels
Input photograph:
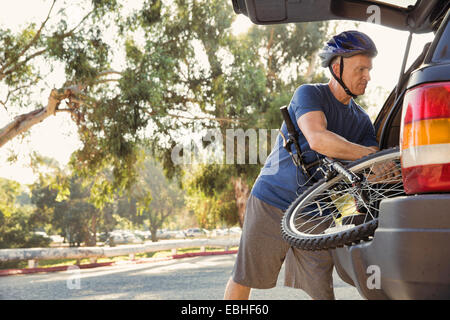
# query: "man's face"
{"type": "Point", "coordinates": [357, 73]}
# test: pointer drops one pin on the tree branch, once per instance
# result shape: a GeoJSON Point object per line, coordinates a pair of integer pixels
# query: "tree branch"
{"type": "Point", "coordinates": [11, 92]}
{"type": "Point", "coordinates": [207, 118]}
{"type": "Point", "coordinates": [237, 120]}
{"type": "Point", "coordinates": [33, 41]}
{"type": "Point", "coordinates": [108, 72]}
{"type": "Point", "coordinates": [79, 24]}
{"type": "Point", "coordinates": [14, 64]}
{"type": "Point", "coordinates": [106, 80]}
{"type": "Point", "coordinates": [14, 67]}
{"type": "Point", "coordinates": [24, 122]}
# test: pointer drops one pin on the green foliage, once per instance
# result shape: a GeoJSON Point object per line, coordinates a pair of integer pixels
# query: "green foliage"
{"type": "Point", "coordinates": [17, 232]}
{"type": "Point", "coordinates": [92, 206]}
{"type": "Point", "coordinates": [212, 212]}
{"type": "Point", "coordinates": [262, 71]}
{"type": "Point", "coordinates": [78, 210]}
{"type": "Point", "coordinates": [9, 191]}
{"type": "Point", "coordinates": [210, 195]}
{"type": "Point", "coordinates": [17, 222]}
{"type": "Point", "coordinates": [71, 217]}
{"type": "Point", "coordinates": [151, 12]}
{"type": "Point", "coordinates": [181, 68]}
{"type": "Point", "coordinates": [211, 180]}
{"type": "Point", "coordinates": [155, 197]}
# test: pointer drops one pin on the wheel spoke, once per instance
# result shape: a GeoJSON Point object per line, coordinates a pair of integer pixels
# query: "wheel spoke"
{"type": "Point", "coordinates": [342, 199]}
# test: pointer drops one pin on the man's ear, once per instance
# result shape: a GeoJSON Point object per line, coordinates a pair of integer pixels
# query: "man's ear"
{"type": "Point", "coordinates": [336, 69]}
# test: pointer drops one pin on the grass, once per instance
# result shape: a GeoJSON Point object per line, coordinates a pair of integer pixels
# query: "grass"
{"type": "Point", "coordinates": [69, 262]}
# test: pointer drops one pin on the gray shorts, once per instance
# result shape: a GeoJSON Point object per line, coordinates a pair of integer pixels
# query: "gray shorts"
{"type": "Point", "coordinates": [262, 251]}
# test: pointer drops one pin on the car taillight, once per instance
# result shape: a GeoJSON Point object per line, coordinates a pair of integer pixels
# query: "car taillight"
{"type": "Point", "coordinates": [425, 138]}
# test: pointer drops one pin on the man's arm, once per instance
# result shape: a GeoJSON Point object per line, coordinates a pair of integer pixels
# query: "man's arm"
{"type": "Point", "coordinates": [314, 126]}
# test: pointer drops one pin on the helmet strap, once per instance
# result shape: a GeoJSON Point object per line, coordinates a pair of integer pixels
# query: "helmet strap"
{"type": "Point", "coordinates": [340, 81]}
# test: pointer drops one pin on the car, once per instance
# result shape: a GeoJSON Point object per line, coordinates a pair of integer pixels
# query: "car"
{"type": "Point", "coordinates": [123, 237]}
{"type": "Point", "coordinates": [219, 232]}
{"type": "Point", "coordinates": [57, 238]}
{"type": "Point", "coordinates": [194, 232]}
{"type": "Point", "coordinates": [236, 230]}
{"type": "Point", "coordinates": [144, 235]}
{"type": "Point", "coordinates": [408, 256]}
{"type": "Point", "coordinates": [163, 234]}
{"type": "Point", "coordinates": [228, 232]}
{"type": "Point", "coordinates": [41, 233]}
{"type": "Point", "coordinates": [176, 234]}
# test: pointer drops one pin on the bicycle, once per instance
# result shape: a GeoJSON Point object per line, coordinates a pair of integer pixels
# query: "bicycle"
{"type": "Point", "coordinates": [342, 208]}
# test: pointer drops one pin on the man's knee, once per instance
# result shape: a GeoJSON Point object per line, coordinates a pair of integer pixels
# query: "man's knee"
{"type": "Point", "coordinates": [236, 291]}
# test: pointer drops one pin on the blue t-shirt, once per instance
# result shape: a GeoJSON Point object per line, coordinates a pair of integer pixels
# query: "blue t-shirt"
{"type": "Point", "coordinates": [278, 181]}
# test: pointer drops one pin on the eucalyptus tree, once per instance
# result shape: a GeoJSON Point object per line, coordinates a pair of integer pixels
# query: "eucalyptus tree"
{"type": "Point", "coordinates": [262, 69]}
{"type": "Point", "coordinates": [135, 73]}
{"type": "Point", "coordinates": [124, 76]}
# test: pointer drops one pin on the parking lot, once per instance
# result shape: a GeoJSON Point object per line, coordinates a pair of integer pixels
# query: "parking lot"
{"type": "Point", "coordinates": [117, 237]}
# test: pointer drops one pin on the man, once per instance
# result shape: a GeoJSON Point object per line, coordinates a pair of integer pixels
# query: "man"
{"type": "Point", "coordinates": [330, 124]}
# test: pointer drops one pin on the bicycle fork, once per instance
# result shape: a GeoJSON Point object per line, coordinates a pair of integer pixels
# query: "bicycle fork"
{"type": "Point", "coordinates": [361, 197]}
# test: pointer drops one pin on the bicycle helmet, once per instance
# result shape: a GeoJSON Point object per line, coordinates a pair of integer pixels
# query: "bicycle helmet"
{"type": "Point", "coordinates": [345, 45]}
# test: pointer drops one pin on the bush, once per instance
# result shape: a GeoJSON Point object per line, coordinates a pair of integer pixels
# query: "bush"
{"type": "Point", "coordinates": [16, 231]}
{"type": "Point", "coordinates": [38, 241]}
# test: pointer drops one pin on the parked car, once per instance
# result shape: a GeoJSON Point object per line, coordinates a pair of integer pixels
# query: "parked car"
{"type": "Point", "coordinates": [219, 232]}
{"type": "Point", "coordinates": [409, 251]}
{"type": "Point", "coordinates": [163, 234]}
{"type": "Point", "coordinates": [236, 230]}
{"type": "Point", "coordinates": [57, 238]}
{"type": "Point", "coordinates": [41, 233]}
{"type": "Point", "coordinates": [194, 232]}
{"type": "Point", "coordinates": [176, 234]}
{"type": "Point", "coordinates": [226, 232]}
{"type": "Point", "coordinates": [144, 235]}
{"type": "Point", "coordinates": [122, 237]}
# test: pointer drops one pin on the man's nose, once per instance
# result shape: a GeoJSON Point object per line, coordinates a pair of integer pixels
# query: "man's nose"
{"type": "Point", "coordinates": [367, 75]}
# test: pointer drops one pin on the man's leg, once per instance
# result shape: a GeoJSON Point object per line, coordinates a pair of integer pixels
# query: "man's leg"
{"type": "Point", "coordinates": [261, 251]}
{"type": "Point", "coordinates": [236, 291]}
{"type": "Point", "coordinates": [311, 271]}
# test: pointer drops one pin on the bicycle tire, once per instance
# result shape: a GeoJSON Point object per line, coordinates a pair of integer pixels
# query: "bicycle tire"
{"type": "Point", "coordinates": [349, 235]}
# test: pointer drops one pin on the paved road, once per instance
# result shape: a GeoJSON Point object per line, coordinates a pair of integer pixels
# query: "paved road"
{"type": "Point", "coordinates": [182, 279]}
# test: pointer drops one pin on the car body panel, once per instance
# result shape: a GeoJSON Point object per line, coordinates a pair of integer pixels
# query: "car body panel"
{"type": "Point", "coordinates": [410, 254]}
{"type": "Point", "coordinates": [429, 73]}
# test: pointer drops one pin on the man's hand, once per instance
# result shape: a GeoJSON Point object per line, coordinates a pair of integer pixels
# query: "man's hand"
{"type": "Point", "coordinates": [386, 172]}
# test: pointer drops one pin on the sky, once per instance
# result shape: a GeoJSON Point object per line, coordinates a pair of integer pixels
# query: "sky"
{"type": "Point", "coordinates": [56, 136]}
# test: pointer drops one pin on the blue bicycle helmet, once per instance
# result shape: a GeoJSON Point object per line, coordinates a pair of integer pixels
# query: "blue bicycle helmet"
{"type": "Point", "coordinates": [345, 45]}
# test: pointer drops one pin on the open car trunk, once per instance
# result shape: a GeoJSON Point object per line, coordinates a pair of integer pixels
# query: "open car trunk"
{"type": "Point", "coordinates": [408, 256]}
{"type": "Point", "coordinates": [419, 17]}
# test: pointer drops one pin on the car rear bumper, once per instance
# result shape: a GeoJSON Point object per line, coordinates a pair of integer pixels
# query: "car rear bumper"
{"type": "Point", "coordinates": [409, 256]}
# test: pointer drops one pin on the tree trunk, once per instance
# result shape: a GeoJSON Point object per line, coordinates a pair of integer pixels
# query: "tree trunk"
{"type": "Point", "coordinates": [311, 67]}
{"type": "Point", "coordinates": [154, 234]}
{"type": "Point", "coordinates": [93, 237]}
{"type": "Point", "coordinates": [241, 194]}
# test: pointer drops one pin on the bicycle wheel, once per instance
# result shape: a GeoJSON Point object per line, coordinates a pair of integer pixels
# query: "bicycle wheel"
{"type": "Point", "coordinates": [335, 213]}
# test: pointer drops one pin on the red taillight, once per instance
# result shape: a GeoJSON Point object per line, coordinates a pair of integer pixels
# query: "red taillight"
{"type": "Point", "coordinates": [425, 138]}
